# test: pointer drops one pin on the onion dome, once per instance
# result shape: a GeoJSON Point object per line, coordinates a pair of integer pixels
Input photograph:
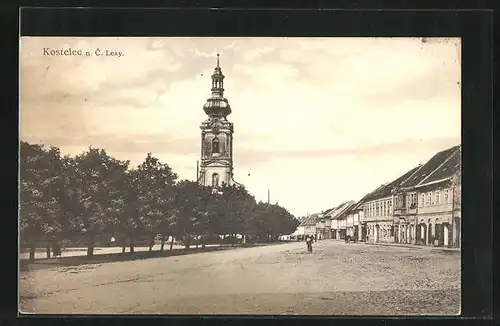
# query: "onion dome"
{"type": "Point", "coordinates": [217, 105]}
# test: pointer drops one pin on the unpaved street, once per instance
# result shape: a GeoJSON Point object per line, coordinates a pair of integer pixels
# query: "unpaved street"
{"type": "Point", "coordinates": [337, 279]}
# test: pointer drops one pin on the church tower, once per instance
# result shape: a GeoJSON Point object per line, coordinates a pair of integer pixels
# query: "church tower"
{"type": "Point", "coordinates": [216, 166]}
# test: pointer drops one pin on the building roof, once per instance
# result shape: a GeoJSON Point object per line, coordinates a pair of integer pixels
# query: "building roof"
{"type": "Point", "coordinates": [332, 212]}
{"type": "Point", "coordinates": [385, 190]}
{"type": "Point", "coordinates": [429, 167]}
{"type": "Point", "coordinates": [339, 211]}
{"type": "Point", "coordinates": [327, 212]}
{"type": "Point", "coordinates": [348, 209]}
{"type": "Point", "coordinates": [309, 221]}
{"type": "Point", "coordinates": [446, 170]}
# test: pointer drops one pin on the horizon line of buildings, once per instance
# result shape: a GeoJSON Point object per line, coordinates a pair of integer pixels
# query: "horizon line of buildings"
{"type": "Point", "coordinates": [421, 207]}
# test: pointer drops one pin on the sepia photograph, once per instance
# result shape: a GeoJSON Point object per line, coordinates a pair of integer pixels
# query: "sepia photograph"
{"type": "Point", "coordinates": [240, 176]}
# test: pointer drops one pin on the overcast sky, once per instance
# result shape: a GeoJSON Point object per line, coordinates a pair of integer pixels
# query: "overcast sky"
{"type": "Point", "coordinates": [318, 121]}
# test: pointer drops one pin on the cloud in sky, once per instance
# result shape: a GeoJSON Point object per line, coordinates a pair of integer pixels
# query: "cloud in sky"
{"type": "Point", "coordinates": [317, 120]}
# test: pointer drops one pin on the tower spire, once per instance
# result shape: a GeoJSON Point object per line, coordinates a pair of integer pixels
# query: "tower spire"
{"type": "Point", "coordinates": [217, 105]}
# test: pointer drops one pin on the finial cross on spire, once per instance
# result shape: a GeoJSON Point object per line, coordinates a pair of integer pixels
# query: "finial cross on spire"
{"type": "Point", "coordinates": [218, 60]}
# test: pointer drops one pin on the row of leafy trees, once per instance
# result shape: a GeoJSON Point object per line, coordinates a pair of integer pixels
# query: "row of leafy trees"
{"type": "Point", "coordinates": [93, 195]}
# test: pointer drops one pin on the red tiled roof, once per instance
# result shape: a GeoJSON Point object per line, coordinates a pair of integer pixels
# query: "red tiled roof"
{"type": "Point", "coordinates": [429, 167]}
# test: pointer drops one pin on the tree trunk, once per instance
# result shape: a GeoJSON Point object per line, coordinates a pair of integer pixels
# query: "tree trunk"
{"type": "Point", "coordinates": [172, 243]}
{"type": "Point", "coordinates": [162, 242]}
{"type": "Point", "coordinates": [90, 245]}
{"type": "Point", "coordinates": [187, 242]}
{"type": "Point", "coordinates": [32, 251]}
{"type": "Point", "coordinates": [152, 242]}
{"type": "Point", "coordinates": [47, 249]}
{"type": "Point", "coordinates": [124, 244]}
{"type": "Point", "coordinates": [131, 243]}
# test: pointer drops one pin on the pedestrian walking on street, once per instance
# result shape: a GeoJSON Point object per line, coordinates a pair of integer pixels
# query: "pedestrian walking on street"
{"type": "Point", "coordinates": [309, 241]}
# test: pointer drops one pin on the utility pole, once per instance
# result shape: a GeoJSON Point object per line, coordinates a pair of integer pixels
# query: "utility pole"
{"type": "Point", "coordinates": [268, 196]}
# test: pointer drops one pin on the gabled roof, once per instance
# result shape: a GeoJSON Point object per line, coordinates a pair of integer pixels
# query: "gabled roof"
{"type": "Point", "coordinates": [385, 190]}
{"type": "Point", "coordinates": [340, 210]}
{"type": "Point", "coordinates": [327, 212]}
{"type": "Point", "coordinates": [446, 170]}
{"type": "Point", "coordinates": [350, 209]}
{"type": "Point", "coordinates": [309, 221]}
{"type": "Point", "coordinates": [425, 171]}
{"type": "Point", "coordinates": [332, 212]}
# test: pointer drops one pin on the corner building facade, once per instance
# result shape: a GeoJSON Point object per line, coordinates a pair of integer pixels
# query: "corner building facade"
{"type": "Point", "coordinates": [428, 203]}
{"type": "Point", "coordinates": [216, 166]}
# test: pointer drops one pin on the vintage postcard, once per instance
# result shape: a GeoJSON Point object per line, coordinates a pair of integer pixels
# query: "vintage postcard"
{"type": "Point", "coordinates": [262, 176]}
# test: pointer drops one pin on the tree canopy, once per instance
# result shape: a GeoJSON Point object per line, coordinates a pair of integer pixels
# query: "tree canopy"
{"type": "Point", "coordinates": [93, 195]}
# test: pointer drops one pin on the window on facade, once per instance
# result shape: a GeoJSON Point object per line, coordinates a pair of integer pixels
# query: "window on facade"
{"type": "Point", "coordinates": [429, 198]}
{"type": "Point", "coordinates": [437, 197]}
{"type": "Point", "coordinates": [422, 199]}
{"type": "Point", "coordinates": [392, 231]}
{"type": "Point", "coordinates": [215, 145]}
{"type": "Point", "coordinates": [446, 196]}
{"type": "Point", "coordinates": [413, 200]}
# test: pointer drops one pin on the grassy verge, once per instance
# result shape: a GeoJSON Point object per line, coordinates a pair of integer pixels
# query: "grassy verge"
{"type": "Point", "coordinates": [97, 258]}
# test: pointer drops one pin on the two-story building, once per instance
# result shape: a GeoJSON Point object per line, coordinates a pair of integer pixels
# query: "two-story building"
{"type": "Point", "coordinates": [325, 224]}
{"type": "Point", "coordinates": [320, 226]}
{"type": "Point", "coordinates": [354, 223]}
{"type": "Point", "coordinates": [377, 208]}
{"type": "Point", "coordinates": [338, 217]}
{"type": "Point", "coordinates": [426, 211]}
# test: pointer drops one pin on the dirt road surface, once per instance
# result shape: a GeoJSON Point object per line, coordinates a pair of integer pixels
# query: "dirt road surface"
{"type": "Point", "coordinates": [336, 279]}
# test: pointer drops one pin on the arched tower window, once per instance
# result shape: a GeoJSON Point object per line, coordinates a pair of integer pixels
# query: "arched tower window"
{"type": "Point", "coordinates": [215, 145]}
{"type": "Point", "coordinates": [215, 180]}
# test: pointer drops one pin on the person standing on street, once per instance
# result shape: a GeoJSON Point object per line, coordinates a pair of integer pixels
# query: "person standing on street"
{"type": "Point", "coordinates": [309, 241]}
